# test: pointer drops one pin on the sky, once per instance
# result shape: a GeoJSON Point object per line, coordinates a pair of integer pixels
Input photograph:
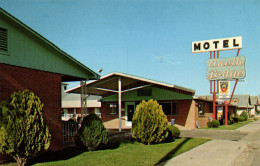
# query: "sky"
{"type": "Point", "coordinates": [147, 38]}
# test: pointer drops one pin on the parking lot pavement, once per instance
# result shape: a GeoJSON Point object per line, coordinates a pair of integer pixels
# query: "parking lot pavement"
{"type": "Point", "coordinates": [231, 135]}
{"type": "Point", "coordinates": [240, 147]}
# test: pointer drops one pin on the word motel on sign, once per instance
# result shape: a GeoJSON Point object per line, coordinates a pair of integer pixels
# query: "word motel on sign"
{"type": "Point", "coordinates": [217, 44]}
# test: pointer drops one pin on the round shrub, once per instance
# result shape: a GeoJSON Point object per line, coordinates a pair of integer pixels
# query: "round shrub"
{"type": "Point", "coordinates": [229, 122]}
{"type": "Point", "coordinates": [244, 114]}
{"type": "Point", "coordinates": [213, 123]}
{"type": "Point", "coordinates": [92, 132]}
{"type": "Point", "coordinates": [173, 132]}
{"type": "Point", "coordinates": [23, 132]}
{"type": "Point", "coordinates": [241, 119]}
{"type": "Point", "coordinates": [149, 124]}
{"type": "Point", "coordinates": [209, 124]}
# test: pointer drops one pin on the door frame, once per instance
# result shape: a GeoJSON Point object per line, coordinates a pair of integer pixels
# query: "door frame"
{"type": "Point", "coordinates": [128, 123]}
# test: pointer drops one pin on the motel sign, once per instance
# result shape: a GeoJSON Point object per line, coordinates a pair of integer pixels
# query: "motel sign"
{"type": "Point", "coordinates": [220, 70]}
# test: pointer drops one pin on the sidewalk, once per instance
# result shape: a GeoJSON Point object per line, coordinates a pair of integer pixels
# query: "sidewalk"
{"type": "Point", "coordinates": [218, 152]}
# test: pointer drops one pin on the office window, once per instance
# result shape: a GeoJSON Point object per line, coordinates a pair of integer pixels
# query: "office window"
{"type": "Point", "coordinates": [201, 109]}
{"type": "Point", "coordinates": [170, 108]}
{"type": "Point", "coordinates": [144, 92]}
{"type": "Point", "coordinates": [112, 109]}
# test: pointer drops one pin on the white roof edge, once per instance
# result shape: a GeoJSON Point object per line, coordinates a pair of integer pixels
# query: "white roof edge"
{"type": "Point", "coordinates": [144, 79]}
{"type": "Point", "coordinates": [135, 77]}
{"type": "Point", "coordinates": [66, 91]}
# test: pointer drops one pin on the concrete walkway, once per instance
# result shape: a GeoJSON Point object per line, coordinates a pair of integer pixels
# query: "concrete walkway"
{"type": "Point", "coordinates": [223, 152]}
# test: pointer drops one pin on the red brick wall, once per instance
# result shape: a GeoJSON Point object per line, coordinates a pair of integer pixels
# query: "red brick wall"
{"type": "Point", "coordinates": [44, 84]}
{"type": "Point", "coordinates": [184, 108]}
{"type": "Point", "coordinates": [181, 118]}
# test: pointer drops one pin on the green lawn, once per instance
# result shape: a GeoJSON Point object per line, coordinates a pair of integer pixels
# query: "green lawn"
{"type": "Point", "coordinates": [128, 153]}
{"type": "Point", "coordinates": [233, 126]}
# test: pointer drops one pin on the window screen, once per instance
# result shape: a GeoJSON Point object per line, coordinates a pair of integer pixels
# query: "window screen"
{"type": "Point", "coordinates": [3, 39]}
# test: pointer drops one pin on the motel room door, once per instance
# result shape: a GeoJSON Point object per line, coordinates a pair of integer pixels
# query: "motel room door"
{"type": "Point", "coordinates": [130, 109]}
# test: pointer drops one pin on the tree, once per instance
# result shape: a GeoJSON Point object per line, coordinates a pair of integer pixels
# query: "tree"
{"type": "Point", "coordinates": [92, 132]}
{"type": "Point", "coordinates": [149, 123]}
{"type": "Point", "coordinates": [22, 130]}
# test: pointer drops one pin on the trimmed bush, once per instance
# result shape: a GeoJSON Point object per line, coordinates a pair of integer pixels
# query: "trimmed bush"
{"type": "Point", "coordinates": [244, 114]}
{"type": "Point", "coordinates": [229, 122]}
{"type": "Point", "coordinates": [92, 132]}
{"type": "Point", "coordinates": [149, 124]}
{"type": "Point", "coordinates": [209, 124]}
{"type": "Point", "coordinates": [174, 132]}
{"type": "Point", "coordinates": [213, 123]}
{"type": "Point", "coordinates": [22, 130]}
{"type": "Point", "coordinates": [241, 119]}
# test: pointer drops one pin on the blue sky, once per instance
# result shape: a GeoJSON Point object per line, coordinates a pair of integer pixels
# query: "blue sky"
{"type": "Point", "coordinates": [132, 36]}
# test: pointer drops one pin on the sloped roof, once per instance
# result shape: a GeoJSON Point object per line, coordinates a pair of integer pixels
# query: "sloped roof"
{"type": "Point", "coordinates": [241, 101]}
{"type": "Point", "coordinates": [108, 85]}
{"type": "Point", "coordinates": [254, 100]}
{"type": "Point", "coordinates": [83, 71]}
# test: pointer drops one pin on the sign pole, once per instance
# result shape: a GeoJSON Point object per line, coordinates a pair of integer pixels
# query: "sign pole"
{"type": "Point", "coordinates": [226, 113]}
{"type": "Point", "coordinates": [214, 104]}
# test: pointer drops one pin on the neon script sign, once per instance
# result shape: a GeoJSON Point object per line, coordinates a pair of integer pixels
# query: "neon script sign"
{"type": "Point", "coordinates": [226, 68]}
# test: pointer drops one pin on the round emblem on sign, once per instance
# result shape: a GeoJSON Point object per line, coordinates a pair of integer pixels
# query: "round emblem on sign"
{"type": "Point", "coordinates": [235, 101]}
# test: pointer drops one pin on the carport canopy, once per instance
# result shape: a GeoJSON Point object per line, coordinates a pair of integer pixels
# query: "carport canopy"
{"type": "Point", "coordinates": [108, 85]}
{"type": "Point", "coordinates": [120, 83]}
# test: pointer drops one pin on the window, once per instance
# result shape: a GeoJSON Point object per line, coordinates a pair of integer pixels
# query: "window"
{"type": "Point", "coordinates": [3, 40]}
{"type": "Point", "coordinates": [144, 92]}
{"type": "Point", "coordinates": [170, 108]}
{"type": "Point", "coordinates": [201, 109]}
{"type": "Point", "coordinates": [112, 109]}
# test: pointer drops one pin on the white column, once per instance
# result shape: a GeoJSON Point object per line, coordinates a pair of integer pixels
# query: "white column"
{"type": "Point", "coordinates": [83, 98]}
{"type": "Point", "coordinates": [119, 104]}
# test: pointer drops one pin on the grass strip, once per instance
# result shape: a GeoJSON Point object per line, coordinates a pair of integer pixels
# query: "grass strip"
{"type": "Point", "coordinates": [129, 153]}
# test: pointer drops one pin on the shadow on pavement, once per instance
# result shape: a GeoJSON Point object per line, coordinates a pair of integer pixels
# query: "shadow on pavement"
{"type": "Point", "coordinates": [172, 152]}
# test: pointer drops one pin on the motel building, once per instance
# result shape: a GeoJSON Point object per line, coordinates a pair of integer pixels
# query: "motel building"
{"type": "Point", "coordinates": [121, 93]}
{"type": "Point", "coordinates": [30, 61]}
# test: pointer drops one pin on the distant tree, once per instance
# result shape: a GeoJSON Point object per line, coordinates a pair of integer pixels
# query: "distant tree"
{"type": "Point", "coordinates": [22, 130]}
{"type": "Point", "coordinates": [149, 123]}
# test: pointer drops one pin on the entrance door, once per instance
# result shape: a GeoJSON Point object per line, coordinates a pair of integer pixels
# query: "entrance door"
{"type": "Point", "coordinates": [130, 109]}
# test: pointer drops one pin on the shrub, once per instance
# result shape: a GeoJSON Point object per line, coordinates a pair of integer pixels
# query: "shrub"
{"type": "Point", "coordinates": [149, 124]}
{"type": "Point", "coordinates": [22, 130]}
{"type": "Point", "coordinates": [173, 132]}
{"type": "Point", "coordinates": [209, 124]}
{"type": "Point", "coordinates": [229, 122]}
{"type": "Point", "coordinates": [244, 114]}
{"type": "Point", "coordinates": [92, 132]}
{"type": "Point", "coordinates": [213, 123]}
{"type": "Point", "coordinates": [241, 119]}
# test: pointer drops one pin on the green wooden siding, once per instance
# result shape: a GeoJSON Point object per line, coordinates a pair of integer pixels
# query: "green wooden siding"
{"type": "Point", "coordinates": [25, 49]}
{"type": "Point", "coordinates": [157, 94]}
